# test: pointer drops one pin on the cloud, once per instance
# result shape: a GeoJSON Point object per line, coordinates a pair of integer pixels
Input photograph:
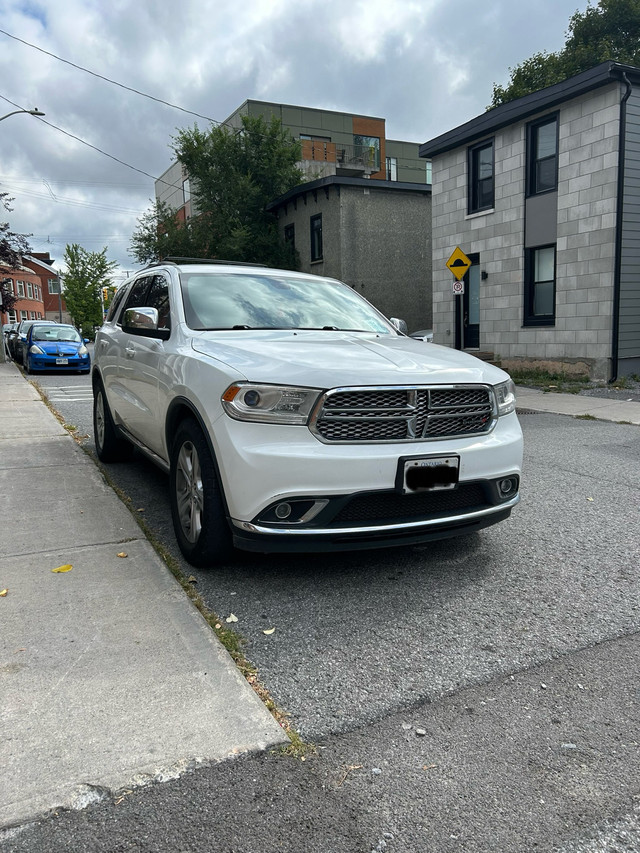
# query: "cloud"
{"type": "Point", "coordinates": [424, 65]}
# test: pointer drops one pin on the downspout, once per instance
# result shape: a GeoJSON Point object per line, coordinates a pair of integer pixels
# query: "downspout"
{"type": "Point", "coordinates": [615, 329]}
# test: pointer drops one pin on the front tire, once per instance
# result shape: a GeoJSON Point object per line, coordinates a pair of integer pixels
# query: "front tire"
{"type": "Point", "coordinates": [110, 447]}
{"type": "Point", "coordinates": [197, 505]}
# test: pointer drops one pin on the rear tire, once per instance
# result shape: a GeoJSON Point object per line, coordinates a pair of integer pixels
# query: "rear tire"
{"type": "Point", "coordinates": [110, 446]}
{"type": "Point", "coordinates": [197, 505]}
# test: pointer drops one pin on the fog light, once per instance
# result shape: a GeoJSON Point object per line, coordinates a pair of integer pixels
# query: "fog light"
{"type": "Point", "coordinates": [507, 486]}
{"type": "Point", "coordinates": [283, 511]}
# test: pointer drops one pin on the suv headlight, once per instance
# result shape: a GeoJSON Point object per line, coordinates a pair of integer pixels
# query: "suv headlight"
{"type": "Point", "coordinates": [505, 397]}
{"type": "Point", "coordinates": [282, 404]}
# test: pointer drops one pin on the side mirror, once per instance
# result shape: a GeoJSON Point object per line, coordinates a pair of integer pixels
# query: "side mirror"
{"type": "Point", "coordinates": [143, 322]}
{"type": "Point", "coordinates": [400, 325]}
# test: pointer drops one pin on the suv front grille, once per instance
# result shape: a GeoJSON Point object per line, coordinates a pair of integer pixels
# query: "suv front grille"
{"type": "Point", "coordinates": [404, 414]}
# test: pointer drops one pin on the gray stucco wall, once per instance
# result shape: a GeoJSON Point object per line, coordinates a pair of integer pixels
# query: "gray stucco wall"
{"type": "Point", "coordinates": [378, 241]}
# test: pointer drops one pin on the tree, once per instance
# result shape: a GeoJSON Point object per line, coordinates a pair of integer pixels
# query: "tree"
{"type": "Point", "coordinates": [87, 273]}
{"type": "Point", "coordinates": [234, 175]}
{"type": "Point", "coordinates": [12, 248]}
{"type": "Point", "coordinates": [610, 30]}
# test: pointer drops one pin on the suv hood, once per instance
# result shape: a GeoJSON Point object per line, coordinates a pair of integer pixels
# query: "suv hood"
{"type": "Point", "coordinates": [331, 359]}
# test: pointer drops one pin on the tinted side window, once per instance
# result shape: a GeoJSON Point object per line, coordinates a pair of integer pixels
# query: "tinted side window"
{"type": "Point", "coordinates": [158, 297]}
{"type": "Point", "coordinates": [137, 294]}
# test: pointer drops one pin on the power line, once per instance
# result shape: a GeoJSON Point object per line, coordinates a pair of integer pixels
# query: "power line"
{"type": "Point", "coordinates": [69, 201]}
{"type": "Point", "coordinates": [108, 79]}
{"type": "Point", "coordinates": [160, 100]}
{"type": "Point", "coordinates": [95, 148]}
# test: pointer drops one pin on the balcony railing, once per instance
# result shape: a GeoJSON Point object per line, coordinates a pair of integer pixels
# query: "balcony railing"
{"type": "Point", "coordinates": [354, 159]}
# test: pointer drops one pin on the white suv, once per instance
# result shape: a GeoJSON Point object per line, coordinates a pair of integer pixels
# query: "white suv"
{"type": "Point", "coordinates": [292, 416]}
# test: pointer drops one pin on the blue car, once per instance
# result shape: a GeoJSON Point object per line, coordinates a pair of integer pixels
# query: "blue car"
{"type": "Point", "coordinates": [55, 347]}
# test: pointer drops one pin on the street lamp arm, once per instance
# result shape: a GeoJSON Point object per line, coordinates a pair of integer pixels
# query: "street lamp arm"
{"type": "Point", "coordinates": [34, 112]}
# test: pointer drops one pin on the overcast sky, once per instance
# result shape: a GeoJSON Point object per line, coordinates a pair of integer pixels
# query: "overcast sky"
{"type": "Point", "coordinates": [423, 65]}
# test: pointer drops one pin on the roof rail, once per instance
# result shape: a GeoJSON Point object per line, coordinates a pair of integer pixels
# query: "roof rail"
{"type": "Point", "coordinates": [176, 260]}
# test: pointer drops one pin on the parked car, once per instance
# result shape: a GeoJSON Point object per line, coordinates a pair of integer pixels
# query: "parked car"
{"type": "Point", "coordinates": [8, 329]}
{"type": "Point", "coordinates": [18, 338]}
{"type": "Point", "coordinates": [51, 346]}
{"type": "Point", "coordinates": [291, 415]}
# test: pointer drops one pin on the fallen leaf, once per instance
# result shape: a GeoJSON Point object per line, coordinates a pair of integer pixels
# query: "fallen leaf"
{"type": "Point", "coordinates": [590, 499]}
{"type": "Point", "coordinates": [3, 593]}
{"type": "Point", "coordinates": [218, 626]}
{"type": "Point", "coordinates": [192, 579]}
{"type": "Point", "coordinates": [269, 631]}
{"type": "Point", "coordinates": [140, 509]}
{"type": "Point", "coordinates": [231, 618]}
{"type": "Point", "coordinates": [66, 568]}
{"type": "Point", "coordinates": [123, 554]}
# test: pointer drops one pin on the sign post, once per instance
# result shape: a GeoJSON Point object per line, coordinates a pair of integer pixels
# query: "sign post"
{"type": "Point", "coordinates": [458, 264]}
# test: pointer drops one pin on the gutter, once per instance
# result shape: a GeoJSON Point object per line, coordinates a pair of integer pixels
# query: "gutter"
{"type": "Point", "coordinates": [615, 329]}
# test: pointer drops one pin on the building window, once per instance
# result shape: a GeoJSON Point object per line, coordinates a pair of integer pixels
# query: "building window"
{"type": "Point", "coordinates": [20, 286]}
{"type": "Point", "coordinates": [542, 155]}
{"type": "Point", "coordinates": [481, 194]}
{"type": "Point", "coordinates": [54, 285]}
{"type": "Point", "coordinates": [290, 235]}
{"type": "Point", "coordinates": [429, 172]}
{"type": "Point", "coordinates": [392, 168]}
{"type": "Point", "coordinates": [29, 290]}
{"type": "Point", "coordinates": [186, 191]}
{"type": "Point", "coordinates": [8, 282]}
{"type": "Point", "coordinates": [13, 317]}
{"type": "Point", "coordinates": [33, 315]}
{"type": "Point", "coordinates": [540, 287]}
{"type": "Point", "coordinates": [316, 237]}
{"type": "Point", "coordinates": [24, 315]}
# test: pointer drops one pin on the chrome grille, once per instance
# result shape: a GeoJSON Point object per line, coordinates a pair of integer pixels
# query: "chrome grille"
{"type": "Point", "coordinates": [404, 414]}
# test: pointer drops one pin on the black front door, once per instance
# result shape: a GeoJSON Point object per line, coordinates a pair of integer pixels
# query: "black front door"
{"type": "Point", "coordinates": [471, 305]}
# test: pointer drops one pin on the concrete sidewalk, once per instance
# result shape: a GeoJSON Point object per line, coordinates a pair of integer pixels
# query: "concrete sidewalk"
{"type": "Point", "coordinates": [109, 676]}
{"type": "Point", "coordinates": [530, 399]}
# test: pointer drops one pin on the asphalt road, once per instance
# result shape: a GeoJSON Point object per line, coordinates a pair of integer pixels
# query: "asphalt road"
{"type": "Point", "coordinates": [471, 695]}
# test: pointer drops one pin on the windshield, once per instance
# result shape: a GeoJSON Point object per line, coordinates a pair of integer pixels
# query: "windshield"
{"type": "Point", "coordinates": [55, 333]}
{"type": "Point", "coordinates": [263, 301]}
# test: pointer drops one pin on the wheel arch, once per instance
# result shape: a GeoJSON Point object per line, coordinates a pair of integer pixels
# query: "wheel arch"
{"type": "Point", "coordinates": [180, 409]}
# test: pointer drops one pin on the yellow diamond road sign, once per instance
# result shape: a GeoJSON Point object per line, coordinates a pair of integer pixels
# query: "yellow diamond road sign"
{"type": "Point", "coordinates": [458, 263]}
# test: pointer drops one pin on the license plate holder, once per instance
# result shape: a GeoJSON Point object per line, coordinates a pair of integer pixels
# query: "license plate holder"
{"type": "Point", "coordinates": [427, 473]}
{"type": "Point", "coordinates": [62, 361]}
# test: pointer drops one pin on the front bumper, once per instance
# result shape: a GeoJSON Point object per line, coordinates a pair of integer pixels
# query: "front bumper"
{"type": "Point", "coordinates": [74, 363]}
{"type": "Point", "coordinates": [354, 487]}
{"type": "Point", "coordinates": [254, 537]}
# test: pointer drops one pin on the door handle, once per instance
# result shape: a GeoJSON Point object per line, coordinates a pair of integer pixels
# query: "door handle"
{"type": "Point", "coordinates": [130, 351]}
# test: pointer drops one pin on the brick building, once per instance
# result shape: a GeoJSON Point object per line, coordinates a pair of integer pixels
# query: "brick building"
{"type": "Point", "coordinates": [55, 307]}
{"type": "Point", "coordinates": [27, 286]}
